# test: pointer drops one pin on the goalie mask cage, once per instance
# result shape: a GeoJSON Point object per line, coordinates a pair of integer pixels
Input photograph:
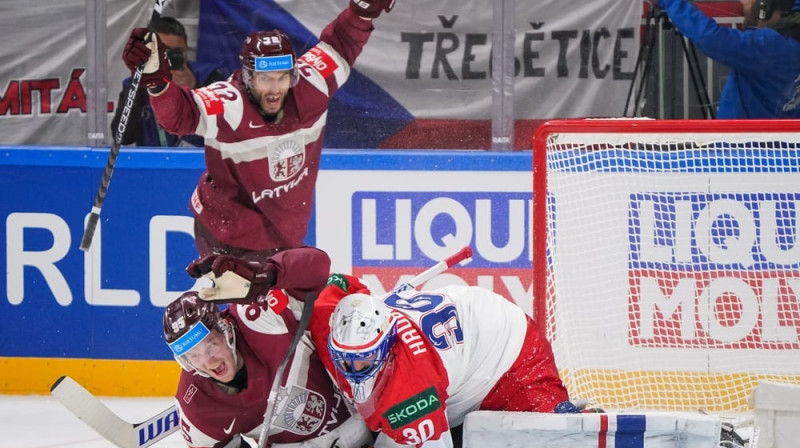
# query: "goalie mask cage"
{"type": "Point", "coordinates": [667, 259]}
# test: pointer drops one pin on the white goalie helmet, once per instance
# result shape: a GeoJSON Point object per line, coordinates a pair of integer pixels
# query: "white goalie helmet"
{"type": "Point", "coordinates": [363, 331]}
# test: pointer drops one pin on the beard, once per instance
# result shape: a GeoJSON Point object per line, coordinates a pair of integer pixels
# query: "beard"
{"type": "Point", "coordinates": [270, 118]}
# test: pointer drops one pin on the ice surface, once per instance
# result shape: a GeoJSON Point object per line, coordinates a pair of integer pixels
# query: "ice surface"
{"type": "Point", "coordinates": [32, 421]}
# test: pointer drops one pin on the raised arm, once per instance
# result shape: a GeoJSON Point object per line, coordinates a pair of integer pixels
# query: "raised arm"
{"type": "Point", "coordinates": [746, 50]}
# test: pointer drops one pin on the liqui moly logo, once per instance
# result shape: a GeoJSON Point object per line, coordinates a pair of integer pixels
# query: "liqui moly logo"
{"type": "Point", "coordinates": [406, 228]}
{"type": "Point", "coordinates": [714, 270]}
{"type": "Point", "coordinates": [398, 234]}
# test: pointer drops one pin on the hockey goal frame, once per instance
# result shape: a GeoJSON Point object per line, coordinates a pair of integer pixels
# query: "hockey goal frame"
{"type": "Point", "coordinates": [695, 134]}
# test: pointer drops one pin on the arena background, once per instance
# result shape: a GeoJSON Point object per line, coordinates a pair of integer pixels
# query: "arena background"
{"type": "Point", "coordinates": [422, 86]}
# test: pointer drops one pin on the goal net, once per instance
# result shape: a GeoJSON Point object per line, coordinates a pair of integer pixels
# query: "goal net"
{"type": "Point", "coordinates": [667, 259]}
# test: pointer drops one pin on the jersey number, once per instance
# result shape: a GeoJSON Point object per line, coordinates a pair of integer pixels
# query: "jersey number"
{"type": "Point", "coordinates": [420, 434]}
{"type": "Point", "coordinates": [439, 320]}
{"type": "Point", "coordinates": [225, 92]}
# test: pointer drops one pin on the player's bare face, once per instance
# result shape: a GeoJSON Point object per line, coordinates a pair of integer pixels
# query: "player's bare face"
{"type": "Point", "coordinates": [213, 357]}
{"type": "Point", "coordinates": [270, 90]}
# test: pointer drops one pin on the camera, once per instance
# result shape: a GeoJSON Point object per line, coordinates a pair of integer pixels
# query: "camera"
{"type": "Point", "coordinates": [176, 58]}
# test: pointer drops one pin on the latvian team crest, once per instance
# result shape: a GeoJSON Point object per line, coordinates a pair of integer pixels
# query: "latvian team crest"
{"type": "Point", "coordinates": [286, 158]}
{"type": "Point", "coordinates": [301, 412]}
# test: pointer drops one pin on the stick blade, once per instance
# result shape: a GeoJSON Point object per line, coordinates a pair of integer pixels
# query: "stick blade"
{"type": "Point", "coordinates": [94, 413]}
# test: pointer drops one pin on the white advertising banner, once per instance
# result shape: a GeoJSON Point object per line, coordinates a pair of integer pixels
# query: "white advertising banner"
{"type": "Point", "coordinates": [573, 58]}
{"type": "Point", "coordinates": [44, 63]}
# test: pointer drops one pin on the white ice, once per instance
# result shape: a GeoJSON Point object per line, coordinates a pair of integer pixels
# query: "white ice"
{"type": "Point", "coordinates": [32, 421]}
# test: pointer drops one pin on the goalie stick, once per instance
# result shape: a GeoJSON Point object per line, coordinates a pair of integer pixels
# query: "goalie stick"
{"type": "Point", "coordinates": [100, 197]}
{"type": "Point", "coordinates": [124, 434]}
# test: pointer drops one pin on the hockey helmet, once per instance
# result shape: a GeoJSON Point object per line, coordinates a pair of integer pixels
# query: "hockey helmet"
{"type": "Point", "coordinates": [363, 331]}
{"type": "Point", "coordinates": [188, 320]}
{"type": "Point", "coordinates": [267, 51]}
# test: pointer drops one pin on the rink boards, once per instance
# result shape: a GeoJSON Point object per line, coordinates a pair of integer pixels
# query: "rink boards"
{"type": "Point", "coordinates": [96, 315]}
{"type": "Point", "coordinates": [495, 429]}
{"type": "Point", "coordinates": [381, 215]}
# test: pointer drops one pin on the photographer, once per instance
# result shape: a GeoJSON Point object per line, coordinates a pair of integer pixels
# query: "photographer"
{"type": "Point", "coordinates": [764, 59]}
{"type": "Point", "coordinates": [142, 128]}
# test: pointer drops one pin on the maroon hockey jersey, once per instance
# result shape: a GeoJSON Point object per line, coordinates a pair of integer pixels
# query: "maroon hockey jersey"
{"type": "Point", "coordinates": [258, 189]}
{"type": "Point", "coordinates": [307, 407]}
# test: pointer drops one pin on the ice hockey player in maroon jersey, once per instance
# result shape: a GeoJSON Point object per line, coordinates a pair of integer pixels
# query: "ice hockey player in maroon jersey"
{"type": "Point", "coordinates": [263, 129]}
{"type": "Point", "coordinates": [417, 362]}
{"type": "Point", "coordinates": [229, 359]}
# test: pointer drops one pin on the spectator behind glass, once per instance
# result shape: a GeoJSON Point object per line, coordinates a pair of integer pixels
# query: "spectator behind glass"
{"type": "Point", "coordinates": [764, 60]}
{"type": "Point", "coordinates": [142, 128]}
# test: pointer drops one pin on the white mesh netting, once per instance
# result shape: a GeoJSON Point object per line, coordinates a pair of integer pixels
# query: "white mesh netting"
{"type": "Point", "coordinates": [668, 265]}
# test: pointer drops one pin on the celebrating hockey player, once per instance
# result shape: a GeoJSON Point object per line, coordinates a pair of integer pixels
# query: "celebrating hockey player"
{"type": "Point", "coordinates": [417, 362]}
{"type": "Point", "coordinates": [230, 359]}
{"type": "Point", "coordinates": [263, 129]}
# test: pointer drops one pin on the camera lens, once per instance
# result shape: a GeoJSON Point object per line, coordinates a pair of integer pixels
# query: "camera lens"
{"type": "Point", "coordinates": [176, 59]}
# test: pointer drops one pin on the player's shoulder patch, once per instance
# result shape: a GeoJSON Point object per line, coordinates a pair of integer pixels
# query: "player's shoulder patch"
{"type": "Point", "coordinates": [339, 281]}
{"type": "Point", "coordinates": [320, 60]}
{"type": "Point", "coordinates": [189, 393]}
{"type": "Point", "coordinates": [415, 407]}
{"type": "Point", "coordinates": [212, 103]}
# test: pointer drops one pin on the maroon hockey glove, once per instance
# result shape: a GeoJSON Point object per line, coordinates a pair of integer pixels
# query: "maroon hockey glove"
{"type": "Point", "coordinates": [144, 47]}
{"type": "Point", "coordinates": [235, 280]}
{"type": "Point", "coordinates": [370, 9]}
{"type": "Point", "coordinates": [200, 266]}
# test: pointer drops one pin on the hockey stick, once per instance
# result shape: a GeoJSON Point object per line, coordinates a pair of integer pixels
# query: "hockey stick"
{"type": "Point", "coordinates": [124, 434]}
{"type": "Point", "coordinates": [460, 256]}
{"type": "Point", "coordinates": [108, 424]}
{"type": "Point", "coordinates": [100, 197]}
{"type": "Point", "coordinates": [305, 318]}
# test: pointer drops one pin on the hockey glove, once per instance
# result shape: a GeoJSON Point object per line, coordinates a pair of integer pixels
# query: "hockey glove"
{"type": "Point", "coordinates": [578, 406]}
{"type": "Point", "coordinates": [235, 280]}
{"type": "Point", "coordinates": [144, 47]}
{"type": "Point", "coordinates": [370, 9]}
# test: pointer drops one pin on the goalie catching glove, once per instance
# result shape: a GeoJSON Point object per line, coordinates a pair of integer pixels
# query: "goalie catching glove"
{"type": "Point", "coordinates": [145, 47]}
{"type": "Point", "coordinates": [370, 9]}
{"type": "Point", "coordinates": [235, 280]}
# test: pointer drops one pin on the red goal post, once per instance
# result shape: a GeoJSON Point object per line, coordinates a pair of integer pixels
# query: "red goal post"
{"type": "Point", "coordinates": [666, 258]}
